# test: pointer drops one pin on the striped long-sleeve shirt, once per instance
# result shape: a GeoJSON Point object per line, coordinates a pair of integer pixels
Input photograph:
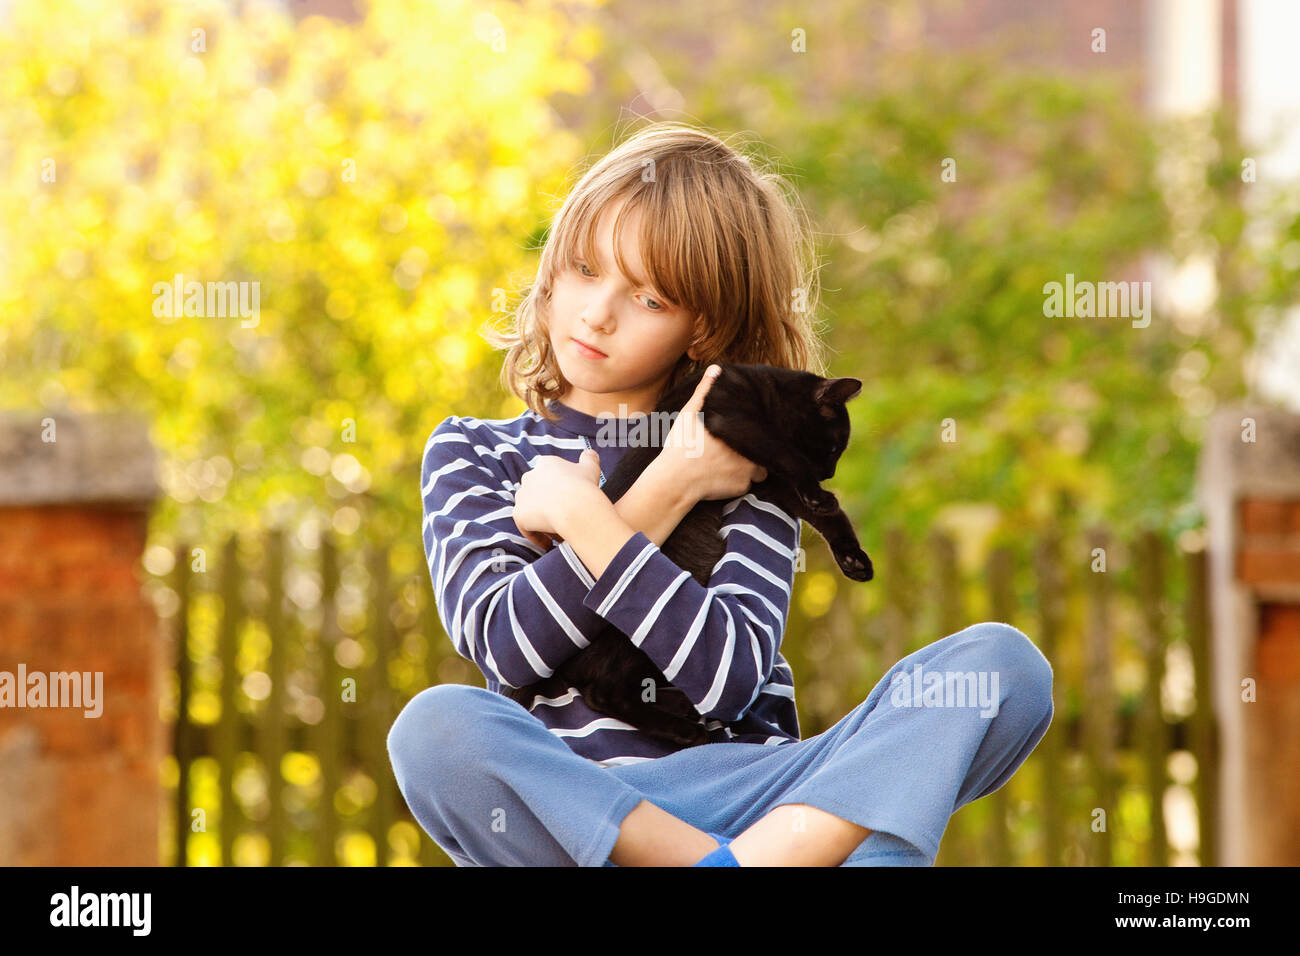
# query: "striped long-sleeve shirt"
{"type": "Point", "coordinates": [518, 613]}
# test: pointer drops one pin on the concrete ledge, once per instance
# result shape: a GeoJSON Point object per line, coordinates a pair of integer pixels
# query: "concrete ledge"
{"type": "Point", "coordinates": [93, 459]}
{"type": "Point", "coordinates": [1268, 467]}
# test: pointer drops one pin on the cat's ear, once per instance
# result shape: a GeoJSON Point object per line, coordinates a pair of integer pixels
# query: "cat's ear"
{"type": "Point", "coordinates": [837, 391]}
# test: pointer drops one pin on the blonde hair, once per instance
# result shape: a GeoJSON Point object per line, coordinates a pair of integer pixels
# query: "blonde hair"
{"type": "Point", "coordinates": [720, 236]}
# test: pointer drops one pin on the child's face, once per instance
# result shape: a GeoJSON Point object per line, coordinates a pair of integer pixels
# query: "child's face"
{"type": "Point", "coordinates": [641, 334]}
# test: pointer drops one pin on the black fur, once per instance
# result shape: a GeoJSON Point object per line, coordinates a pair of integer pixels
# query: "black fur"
{"type": "Point", "coordinates": [795, 425]}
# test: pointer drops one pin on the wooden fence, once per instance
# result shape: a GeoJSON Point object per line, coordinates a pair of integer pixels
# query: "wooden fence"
{"type": "Point", "coordinates": [291, 668]}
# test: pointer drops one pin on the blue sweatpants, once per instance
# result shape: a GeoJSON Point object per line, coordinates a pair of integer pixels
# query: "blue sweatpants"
{"type": "Point", "coordinates": [492, 786]}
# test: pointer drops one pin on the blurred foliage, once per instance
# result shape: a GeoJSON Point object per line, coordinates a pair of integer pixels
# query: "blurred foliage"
{"type": "Point", "coordinates": [375, 180]}
{"type": "Point", "coordinates": [934, 288]}
{"type": "Point", "coordinates": [383, 182]}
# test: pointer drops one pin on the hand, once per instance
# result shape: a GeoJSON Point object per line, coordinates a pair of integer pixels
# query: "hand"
{"type": "Point", "coordinates": [552, 481]}
{"type": "Point", "coordinates": [702, 466]}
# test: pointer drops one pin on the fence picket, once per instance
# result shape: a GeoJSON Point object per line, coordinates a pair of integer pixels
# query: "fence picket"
{"type": "Point", "coordinates": [228, 723]}
{"type": "Point", "coordinates": [377, 710]}
{"type": "Point", "coordinates": [1155, 734]}
{"type": "Point", "coordinates": [182, 738]}
{"type": "Point", "coordinates": [1051, 615]}
{"type": "Point", "coordinates": [328, 732]}
{"type": "Point", "coordinates": [1099, 717]}
{"type": "Point", "coordinates": [273, 736]}
{"type": "Point", "coordinates": [434, 639]}
{"type": "Point", "coordinates": [1001, 608]}
{"type": "Point", "coordinates": [897, 615]}
{"type": "Point", "coordinates": [962, 849]}
{"type": "Point", "coordinates": [1204, 726]}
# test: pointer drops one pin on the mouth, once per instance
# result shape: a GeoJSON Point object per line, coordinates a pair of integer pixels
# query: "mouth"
{"type": "Point", "coordinates": [586, 351]}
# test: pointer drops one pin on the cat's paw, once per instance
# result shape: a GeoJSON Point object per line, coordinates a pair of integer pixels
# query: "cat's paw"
{"type": "Point", "coordinates": [856, 565]}
{"type": "Point", "coordinates": [821, 502]}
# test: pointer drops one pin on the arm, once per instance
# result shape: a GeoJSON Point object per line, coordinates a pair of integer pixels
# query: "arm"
{"type": "Point", "coordinates": [717, 644]}
{"type": "Point", "coordinates": [515, 612]}
{"type": "Point", "coordinates": [655, 504]}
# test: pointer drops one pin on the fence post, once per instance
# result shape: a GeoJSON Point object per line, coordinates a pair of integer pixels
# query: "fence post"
{"type": "Point", "coordinates": [81, 785]}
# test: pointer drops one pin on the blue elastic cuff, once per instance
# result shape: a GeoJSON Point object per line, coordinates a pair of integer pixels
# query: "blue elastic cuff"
{"type": "Point", "coordinates": [722, 856]}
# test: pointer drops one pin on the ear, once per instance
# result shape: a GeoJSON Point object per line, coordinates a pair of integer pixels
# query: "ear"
{"type": "Point", "coordinates": [699, 332]}
{"type": "Point", "coordinates": [837, 391]}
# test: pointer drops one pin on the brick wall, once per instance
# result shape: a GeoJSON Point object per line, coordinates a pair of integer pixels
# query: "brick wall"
{"type": "Point", "coordinates": [77, 790]}
{"type": "Point", "coordinates": [1249, 487]}
{"type": "Point", "coordinates": [1268, 560]}
{"type": "Point", "coordinates": [1269, 549]}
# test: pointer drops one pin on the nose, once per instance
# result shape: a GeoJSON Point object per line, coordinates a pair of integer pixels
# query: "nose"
{"type": "Point", "coordinates": [597, 315]}
{"type": "Point", "coordinates": [597, 318]}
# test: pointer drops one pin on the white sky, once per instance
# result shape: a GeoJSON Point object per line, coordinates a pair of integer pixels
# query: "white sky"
{"type": "Point", "coordinates": [1269, 85]}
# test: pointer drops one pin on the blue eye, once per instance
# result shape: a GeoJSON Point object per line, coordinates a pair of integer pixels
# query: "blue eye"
{"type": "Point", "coordinates": [582, 265]}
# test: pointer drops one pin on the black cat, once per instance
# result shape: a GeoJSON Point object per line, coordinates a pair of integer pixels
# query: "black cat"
{"type": "Point", "coordinates": [795, 425]}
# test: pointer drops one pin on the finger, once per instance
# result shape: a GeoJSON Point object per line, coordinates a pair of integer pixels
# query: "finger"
{"type": "Point", "coordinates": [696, 401]}
{"type": "Point", "coordinates": [695, 405]}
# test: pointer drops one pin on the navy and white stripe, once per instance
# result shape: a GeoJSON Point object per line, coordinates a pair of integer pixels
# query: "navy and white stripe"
{"type": "Point", "coordinates": [518, 613]}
